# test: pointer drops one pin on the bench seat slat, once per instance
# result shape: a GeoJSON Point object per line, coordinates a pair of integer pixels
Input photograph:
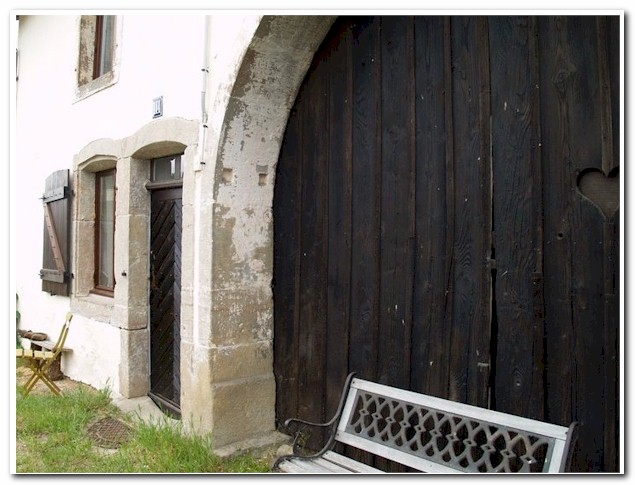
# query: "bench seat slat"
{"type": "Point", "coordinates": [331, 462]}
{"type": "Point", "coordinates": [354, 466]}
{"type": "Point", "coordinates": [332, 467]}
{"type": "Point", "coordinates": [319, 465]}
{"type": "Point", "coordinates": [292, 467]}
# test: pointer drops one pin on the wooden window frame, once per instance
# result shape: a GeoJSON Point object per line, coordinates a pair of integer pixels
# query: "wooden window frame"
{"type": "Point", "coordinates": [100, 289]}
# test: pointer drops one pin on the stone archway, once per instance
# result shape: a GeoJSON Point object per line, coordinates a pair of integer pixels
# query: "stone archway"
{"type": "Point", "coordinates": [232, 361]}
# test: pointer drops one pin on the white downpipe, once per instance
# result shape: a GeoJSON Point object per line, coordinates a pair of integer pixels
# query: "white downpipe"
{"type": "Point", "coordinates": [200, 164]}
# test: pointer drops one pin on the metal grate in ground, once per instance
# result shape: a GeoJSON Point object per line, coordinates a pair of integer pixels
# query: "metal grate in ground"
{"type": "Point", "coordinates": [109, 432]}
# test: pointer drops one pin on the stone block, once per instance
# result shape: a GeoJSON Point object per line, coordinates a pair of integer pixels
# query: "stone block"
{"type": "Point", "coordinates": [241, 362]}
{"type": "Point", "coordinates": [243, 409]}
{"type": "Point", "coordinates": [134, 372]}
{"type": "Point", "coordinates": [241, 316]}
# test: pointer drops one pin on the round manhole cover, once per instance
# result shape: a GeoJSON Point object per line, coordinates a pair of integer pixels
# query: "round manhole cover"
{"type": "Point", "coordinates": [109, 432]}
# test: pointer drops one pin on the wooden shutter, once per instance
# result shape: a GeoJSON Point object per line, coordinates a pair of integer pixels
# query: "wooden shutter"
{"type": "Point", "coordinates": [55, 273]}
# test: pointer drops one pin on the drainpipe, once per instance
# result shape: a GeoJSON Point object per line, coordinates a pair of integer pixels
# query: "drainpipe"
{"type": "Point", "coordinates": [197, 183]}
{"type": "Point", "coordinates": [205, 71]}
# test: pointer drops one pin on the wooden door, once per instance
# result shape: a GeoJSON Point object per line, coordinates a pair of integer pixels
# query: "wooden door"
{"type": "Point", "coordinates": [445, 219]}
{"type": "Point", "coordinates": [165, 298]}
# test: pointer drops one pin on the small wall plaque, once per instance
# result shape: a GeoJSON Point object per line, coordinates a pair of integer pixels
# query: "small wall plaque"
{"type": "Point", "coordinates": [157, 107]}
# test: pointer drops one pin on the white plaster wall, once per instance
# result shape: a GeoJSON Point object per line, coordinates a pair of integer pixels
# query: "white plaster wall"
{"type": "Point", "coordinates": [97, 356]}
{"type": "Point", "coordinates": [40, 149]}
{"type": "Point", "coordinates": [161, 55]}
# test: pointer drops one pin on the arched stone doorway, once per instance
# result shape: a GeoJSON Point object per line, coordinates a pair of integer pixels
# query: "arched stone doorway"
{"type": "Point", "coordinates": [228, 386]}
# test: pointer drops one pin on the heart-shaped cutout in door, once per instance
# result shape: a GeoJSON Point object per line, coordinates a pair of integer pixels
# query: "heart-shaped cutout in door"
{"type": "Point", "coordinates": [602, 190]}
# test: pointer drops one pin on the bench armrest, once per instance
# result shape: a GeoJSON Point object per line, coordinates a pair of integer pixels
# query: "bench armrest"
{"type": "Point", "coordinates": [297, 445]}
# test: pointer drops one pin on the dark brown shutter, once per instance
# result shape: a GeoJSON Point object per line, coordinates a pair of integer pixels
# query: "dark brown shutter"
{"type": "Point", "coordinates": [55, 272]}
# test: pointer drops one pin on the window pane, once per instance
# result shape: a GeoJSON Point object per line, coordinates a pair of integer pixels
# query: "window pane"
{"type": "Point", "coordinates": [167, 168]}
{"type": "Point", "coordinates": [104, 38]}
{"type": "Point", "coordinates": [106, 230]}
{"type": "Point", "coordinates": [107, 47]}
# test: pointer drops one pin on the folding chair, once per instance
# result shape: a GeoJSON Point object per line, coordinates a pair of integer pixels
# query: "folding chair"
{"type": "Point", "coordinates": [41, 360]}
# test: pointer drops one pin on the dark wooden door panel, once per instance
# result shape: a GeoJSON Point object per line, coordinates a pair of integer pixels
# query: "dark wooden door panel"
{"type": "Point", "coordinates": [165, 295]}
{"type": "Point", "coordinates": [435, 225]}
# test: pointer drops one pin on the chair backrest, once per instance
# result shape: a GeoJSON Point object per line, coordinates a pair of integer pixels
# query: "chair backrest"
{"type": "Point", "coordinates": [61, 340]}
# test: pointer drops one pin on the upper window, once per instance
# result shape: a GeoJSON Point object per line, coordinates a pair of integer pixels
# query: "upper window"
{"type": "Point", "coordinates": [98, 54]}
{"type": "Point", "coordinates": [105, 232]}
{"type": "Point", "coordinates": [166, 172]}
{"type": "Point", "coordinates": [167, 169]}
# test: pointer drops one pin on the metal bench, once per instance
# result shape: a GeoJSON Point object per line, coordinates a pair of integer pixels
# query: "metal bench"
{"type": "Point", "coordinates": [429, 434]}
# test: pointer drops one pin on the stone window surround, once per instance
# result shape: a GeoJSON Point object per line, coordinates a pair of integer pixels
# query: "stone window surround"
{"type": "Point", "coordinates": [127, 310]}
{"type": "Point", "coordinates": [85, 58]}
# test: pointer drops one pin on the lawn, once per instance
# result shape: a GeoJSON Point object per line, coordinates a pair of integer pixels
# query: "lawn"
{"type": "Point", "coordinates": [61, 434]}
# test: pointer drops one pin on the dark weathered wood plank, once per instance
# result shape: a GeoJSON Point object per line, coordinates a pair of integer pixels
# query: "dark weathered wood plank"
{"type": "Point", "coordinates": [397, 201]}
{"type": "Point", "coordinates": [397, 205]}
{"type": "Point", "coordinates": [339, 123]}
{"type": "Point", "coordinates": [286, 218]}
{"type": "Point", "coordinates": [556, 78]}
{"type": "Point", "coordinates": [609, 43]}
{"type": "Point", "coordinates": [614, 61]}
{"type": "Point", "coordinates": [366, 178]}
{"type": "Point", "coordinates": [518, 367]}
{"type": "Point", "coordinates": [472, 225]}
{"type": "Point", "coordinates": [313, 254]}
{"type": "Point", "coordinates": [480, 338]}
{"type": "Point", "coordinates": [366, 171]}
{"type": "Point", "coordinates": [611, 346]}
{"type": "Point", "coordinates": [430, 336]}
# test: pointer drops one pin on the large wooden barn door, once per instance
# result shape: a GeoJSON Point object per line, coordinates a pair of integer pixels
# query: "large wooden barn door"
{"type": "Point", "coordinates": [445, 215]}
{"type": "Point", "coordinates": [165, 298]}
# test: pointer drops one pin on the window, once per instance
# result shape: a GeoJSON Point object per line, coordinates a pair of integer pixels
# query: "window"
{"type": "Point", "coordinates": [104, 35]}
{"type": "Point", "coordinates": [97, 62]}
{"type": "Point", "coordinates": [167, 168]}
{"type": "Point", "coordinates": [104, 232]}
{"type": "Point", "coordinates": [166, 172]}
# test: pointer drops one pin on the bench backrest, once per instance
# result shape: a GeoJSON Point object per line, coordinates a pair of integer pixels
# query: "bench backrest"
{"type": "Point", "coordinates": [440, 436]}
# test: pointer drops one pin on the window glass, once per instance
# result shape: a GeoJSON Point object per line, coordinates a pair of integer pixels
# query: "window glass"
{"type": "Point", "coordinates": [105, 231]}
{"type": "Point", "coordinates": [167, 168]}
{"type": "Point", "coordinates": [104, 27]}
{"type": "Point", "coordinates": [106, 52]}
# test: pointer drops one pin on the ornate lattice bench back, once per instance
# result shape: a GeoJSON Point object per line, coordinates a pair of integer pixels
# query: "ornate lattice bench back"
{"type": "Point", "coordinates": [437, 435]}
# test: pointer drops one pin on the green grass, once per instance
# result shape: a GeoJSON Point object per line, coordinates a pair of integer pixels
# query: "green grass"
{"type": "Point", "coordinates": [52, 437]}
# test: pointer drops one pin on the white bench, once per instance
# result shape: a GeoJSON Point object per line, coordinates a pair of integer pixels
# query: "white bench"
{"type": "Point", "coordinates": [429, 434]}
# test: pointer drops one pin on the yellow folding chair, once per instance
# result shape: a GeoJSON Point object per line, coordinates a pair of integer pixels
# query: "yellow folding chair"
{"type": "Point", "coordinates": [41, 360]}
